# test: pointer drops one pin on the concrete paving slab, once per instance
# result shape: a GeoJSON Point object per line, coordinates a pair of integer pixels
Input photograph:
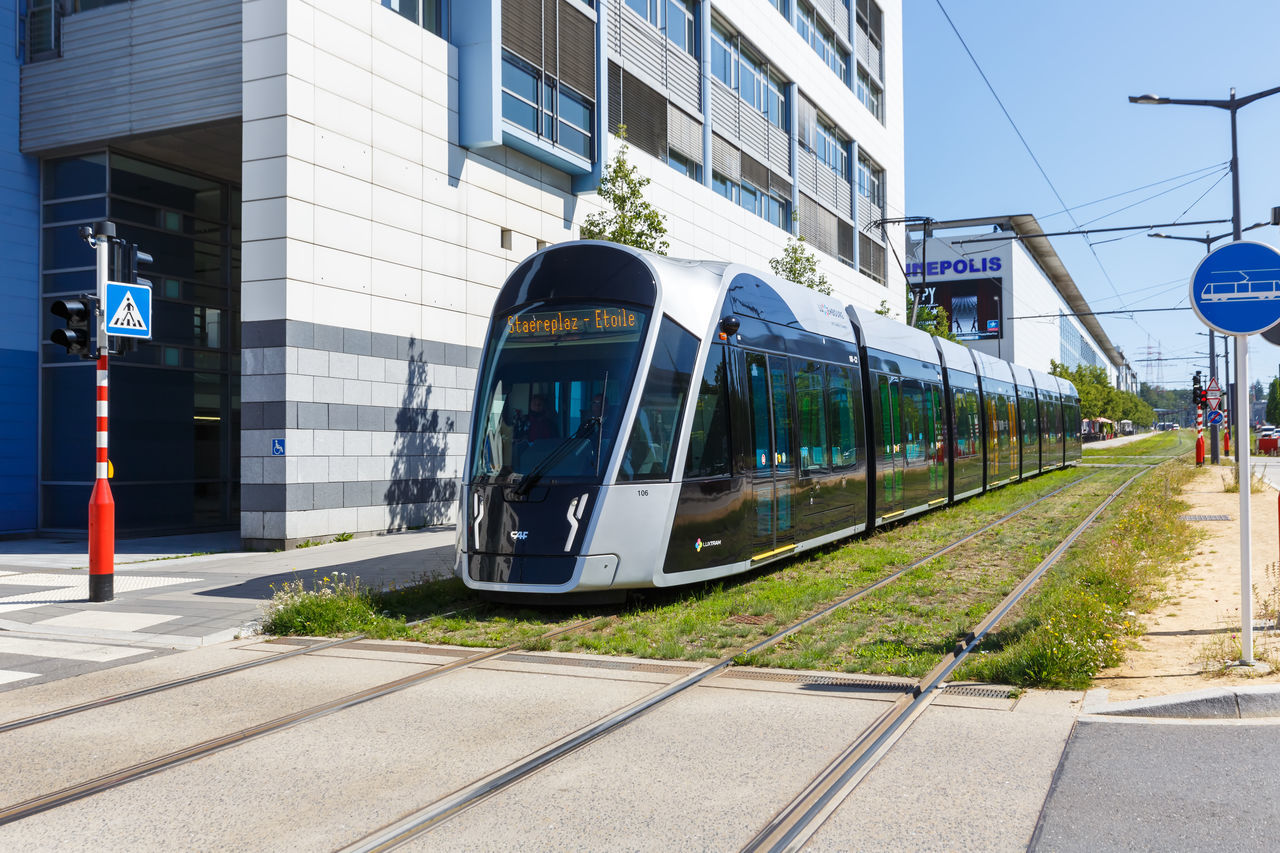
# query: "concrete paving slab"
{"type": "Point", "coordinates": [65, 751]}
{"type": "Point", "coordinates": [323, 785]}
{"type": "Point", "coordinates": [702, 772]}
{"type": "Point", "coordinates": [958, 779]}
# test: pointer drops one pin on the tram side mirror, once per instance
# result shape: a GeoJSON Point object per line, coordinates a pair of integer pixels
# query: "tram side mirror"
{"type": "Point", "coordinates": [729, 326]}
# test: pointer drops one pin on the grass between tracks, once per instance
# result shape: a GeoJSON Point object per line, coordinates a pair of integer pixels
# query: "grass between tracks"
{"type": "Point", "coordinates": [901, 629]}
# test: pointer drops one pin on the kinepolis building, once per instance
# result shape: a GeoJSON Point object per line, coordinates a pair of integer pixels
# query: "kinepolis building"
{"type": "Point", "coordinates": [1008, 293]}
{"type": "Point", "coordinates": [333, 191]}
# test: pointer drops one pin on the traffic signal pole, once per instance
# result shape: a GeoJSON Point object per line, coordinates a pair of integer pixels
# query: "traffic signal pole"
{"type": "Point", "coordinates": [102, 507]}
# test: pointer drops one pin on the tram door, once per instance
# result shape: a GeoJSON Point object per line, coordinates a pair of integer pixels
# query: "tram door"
{"type": "Point", "coordinates": [890, 447]}
{"type": "Point", "coordinates": [772, 426]}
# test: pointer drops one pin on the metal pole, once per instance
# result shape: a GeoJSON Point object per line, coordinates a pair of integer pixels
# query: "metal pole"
{"type": "Point", "coordinates": [1242, 441]}
{"type": "Point", "coordinates": [102, 509]}
{"type": "Point", "coordinates": [1242, 448]}
{"type": "Point", "coordinates": [1213, 374]}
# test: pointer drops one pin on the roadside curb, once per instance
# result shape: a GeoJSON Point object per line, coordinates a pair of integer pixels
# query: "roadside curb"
{"type": "Point", "coordinates": [1213, 703]}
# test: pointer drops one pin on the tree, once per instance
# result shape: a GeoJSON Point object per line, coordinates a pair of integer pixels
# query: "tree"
{"type": "Point", "coordinates": [1099, 399]}
{"type": "Point", "coordinates": [1273, 402]}
{"type": "Point", "coordinates": [629, 218]}
{"type": "Point", "coordinates": [800, 265]}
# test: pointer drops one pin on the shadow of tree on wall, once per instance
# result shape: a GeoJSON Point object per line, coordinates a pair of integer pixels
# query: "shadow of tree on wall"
{"type": "Point", "coordinates": [419, 493]}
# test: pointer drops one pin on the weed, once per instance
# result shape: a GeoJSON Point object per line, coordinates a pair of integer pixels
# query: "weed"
{"type": "Point", "coordinates": [344, 537]}
{"type": "Point", "coordinates": [327, 606]}
{"type": "Point", "coordinates": [308, 543]}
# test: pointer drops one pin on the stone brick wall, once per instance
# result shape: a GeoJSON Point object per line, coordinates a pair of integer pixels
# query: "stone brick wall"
{"type": "Point", "coordinates": [374, 428]}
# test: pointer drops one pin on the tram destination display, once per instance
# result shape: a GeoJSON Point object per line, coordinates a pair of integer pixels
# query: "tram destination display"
{"type": "Point", "coordinates": [573, 323]}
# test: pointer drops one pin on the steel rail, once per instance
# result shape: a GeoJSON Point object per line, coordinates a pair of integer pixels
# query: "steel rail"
{"type": "Point", "coordinates": [115, 779]}
{"type": "Point", "coordinates": [432, 815]}
{"type": "Point", "coordinates": [796, 823]}
{"type": "Point", "coordinates": [179, 682]}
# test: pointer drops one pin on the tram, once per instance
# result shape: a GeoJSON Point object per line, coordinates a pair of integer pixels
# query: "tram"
{"type": "Point", "coordinates": [641, 421]}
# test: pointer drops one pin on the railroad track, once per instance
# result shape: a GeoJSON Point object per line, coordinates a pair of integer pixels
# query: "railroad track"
{"type": "Point", "coordinates": [423, 819]}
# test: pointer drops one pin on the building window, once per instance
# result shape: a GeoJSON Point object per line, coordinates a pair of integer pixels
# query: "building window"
{"type": "Point", "coordinates": [871, 182]}
{"type": "Point", "coordinates": [823, 41]}
{"type": "Point", "coordinates": [831, 150]}
{"type": "Point", "coordinates": [871, 21]}
{"type": "Point", "coordinates": [428, 13]}
{"type": "Point", "coordinates": [684, 165]}
{"type": "Point", "coordinates": [783, 7]}
{"type": "Point", "coordinates": [678, 20]}
{"type": "Point", "coordinates": [543, 106]}
{"type": "Point", "coordinates": [761, 203]}
{"type": "Point", "coordinates": [724, 186]}
{"type": "Point", "coordinates": [724, 58]}
{"type": "Point", "coordinates": [738, 69]}
{"type": "Point", "coordinates": [870, 94]}
{"type": "Point", "coordinates": [762, 91]}
{"type": "Point", "coordinates": [870, 258]}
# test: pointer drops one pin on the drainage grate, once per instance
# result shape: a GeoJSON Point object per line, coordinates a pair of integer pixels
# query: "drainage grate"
{"type": "Point", "coordinates": [823, 680]}
{"type": "Point", "coordinates": [603, 663]}
{"type": "Point", "coordinates": [979, 691]}
{"type": "Point", "coordinates": [1205, 517]}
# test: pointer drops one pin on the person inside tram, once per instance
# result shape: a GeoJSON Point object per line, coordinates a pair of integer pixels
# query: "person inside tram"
{"type": "Point", "coordinates": [542, 422]}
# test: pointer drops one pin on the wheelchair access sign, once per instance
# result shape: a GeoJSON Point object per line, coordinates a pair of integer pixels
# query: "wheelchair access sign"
{"type": "Point", "coordinates": [128, 309]}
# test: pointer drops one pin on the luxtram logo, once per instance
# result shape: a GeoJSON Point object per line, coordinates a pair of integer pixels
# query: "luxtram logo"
{"type": "Point", "coordinates": [710, 543]}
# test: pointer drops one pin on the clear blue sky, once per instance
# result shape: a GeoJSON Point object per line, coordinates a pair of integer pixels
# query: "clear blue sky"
{"type": "Point", "coordinates": [1064, 72]}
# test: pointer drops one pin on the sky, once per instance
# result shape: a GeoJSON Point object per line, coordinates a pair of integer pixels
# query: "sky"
{"type": "Point", "coordinates": [1064, 72]}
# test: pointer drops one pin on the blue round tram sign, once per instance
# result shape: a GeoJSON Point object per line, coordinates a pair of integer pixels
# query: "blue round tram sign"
{"type": "Point", "coordinates": [1236, 289]}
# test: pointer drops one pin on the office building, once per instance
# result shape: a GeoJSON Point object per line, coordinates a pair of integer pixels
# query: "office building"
{"type": "Point", "coordinates": [333, 191]}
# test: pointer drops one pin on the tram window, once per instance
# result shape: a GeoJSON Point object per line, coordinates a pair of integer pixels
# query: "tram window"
{"type": "Point", "coordinates": [652, 445]}
{"type": "Point", "coordinates": [966, 415]}
{"type": "Point", "coordinates": [813, 422]}
{"type": "Point", "coordinates": [843, 425]}
{"type": "Point", "coordinates": [936, 416]}
{"type": "Point", "coordinates": [709, 433]}
{"type": "Point", "coordinates": [914, 419]}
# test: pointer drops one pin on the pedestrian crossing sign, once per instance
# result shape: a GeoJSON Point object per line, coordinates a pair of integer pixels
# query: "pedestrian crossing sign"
{"type": "Point", "coordinates": [128, 309]}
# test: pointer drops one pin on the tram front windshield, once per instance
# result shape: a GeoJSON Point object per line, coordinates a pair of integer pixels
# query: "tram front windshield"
{"type": "Point", "coordinates": [556, 379]}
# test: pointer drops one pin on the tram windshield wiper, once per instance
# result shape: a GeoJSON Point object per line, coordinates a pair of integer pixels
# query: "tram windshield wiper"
{"type": "Point", "coordinates": [554, 458]}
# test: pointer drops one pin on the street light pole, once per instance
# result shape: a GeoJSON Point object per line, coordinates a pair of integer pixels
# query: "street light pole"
{"type": "Point", "coordinates": [1232, 105]}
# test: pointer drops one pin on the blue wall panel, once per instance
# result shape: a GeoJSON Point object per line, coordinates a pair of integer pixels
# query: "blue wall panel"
{"type": "Point", "coordinates": [20, 315]}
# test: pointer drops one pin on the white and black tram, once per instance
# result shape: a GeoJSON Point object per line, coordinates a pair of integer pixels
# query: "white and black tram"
{"type": "Point", "coordinates": [641, 421]}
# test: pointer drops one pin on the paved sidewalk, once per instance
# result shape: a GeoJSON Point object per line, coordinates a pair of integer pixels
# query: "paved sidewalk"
{"type": "Point", "coordinates": [189, 591]}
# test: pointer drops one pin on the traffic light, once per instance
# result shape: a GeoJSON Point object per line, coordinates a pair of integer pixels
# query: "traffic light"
{"type": "Point", "coordinates": [1197, 392]}
{"type": "Point", "coordinates": [75, 337]}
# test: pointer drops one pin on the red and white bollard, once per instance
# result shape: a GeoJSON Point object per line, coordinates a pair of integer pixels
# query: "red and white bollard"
{"type": "Point", "coordinates": [1199, 436]}
{"type": "Point", "coordinates": [102, 507]}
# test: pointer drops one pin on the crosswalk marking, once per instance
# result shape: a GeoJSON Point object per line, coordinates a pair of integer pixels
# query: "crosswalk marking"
{"type": "Point", "coordinates": [65, 650]}
{"type": "Point", "coordinates": [8, 676]}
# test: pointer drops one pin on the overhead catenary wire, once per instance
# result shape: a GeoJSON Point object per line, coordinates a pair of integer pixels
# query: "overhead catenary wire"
{"type": "Point", "coordinates": [1212, 168]}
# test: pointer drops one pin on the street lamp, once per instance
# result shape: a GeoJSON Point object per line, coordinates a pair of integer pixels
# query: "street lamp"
{"type": "Point", "coordinates": [1233, 105]}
